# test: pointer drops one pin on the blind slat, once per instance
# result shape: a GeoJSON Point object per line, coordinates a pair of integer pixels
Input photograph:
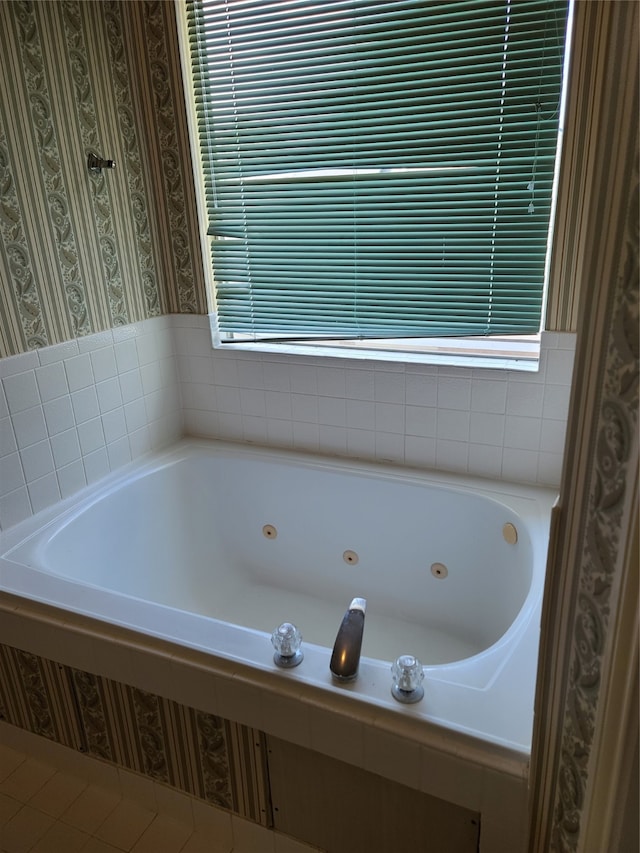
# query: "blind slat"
{"type": "Point", "coordinates": [375, 167]}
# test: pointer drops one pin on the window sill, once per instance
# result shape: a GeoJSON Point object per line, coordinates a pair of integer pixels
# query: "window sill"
{"type": "Point", "coordinates": [513, 353]}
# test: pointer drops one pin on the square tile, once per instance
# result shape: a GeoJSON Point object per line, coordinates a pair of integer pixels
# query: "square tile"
{"type": "Point", "coordinates": [164, 835]}
{"type": "Point", "coordinates": [91, 808]}
{"type": "Point", "coordinates": [125, 825]}
{"type": "Point", "coordinates": [61, 838]}
{"type": "Point", "coordinates": [57, 794]}
{"type": "Point", "coordinates": [21, 391]}
{"type": "Point", "coordinates": [59, 415]}
{"type": "Point", "coordinates": [37, 460]}
{"type": "Point", "coordinates": [52, 381]}
{"type": "Point", "coordinates": [26, 779]}
{"type": "Point", "coordinates": [24, 829]}
{"type": "Point", "coordinates": [43, 492]}
{"type": "Point", "coordinates": [79, 372]}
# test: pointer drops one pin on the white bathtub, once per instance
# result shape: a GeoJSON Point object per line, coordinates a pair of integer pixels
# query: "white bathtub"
{"type": "Point", "coordinates": [176, 547]}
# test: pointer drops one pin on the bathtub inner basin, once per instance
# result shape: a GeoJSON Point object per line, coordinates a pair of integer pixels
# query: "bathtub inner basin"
{"type": "Point", "coordinates": [257, 538]}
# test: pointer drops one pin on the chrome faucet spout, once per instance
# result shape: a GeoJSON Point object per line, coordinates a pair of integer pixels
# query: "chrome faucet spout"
{"type": "Point", "coordinates": [346, 650]}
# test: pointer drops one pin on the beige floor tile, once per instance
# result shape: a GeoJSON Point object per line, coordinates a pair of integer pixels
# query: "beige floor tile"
{"type": "Point", "coordinates": [201, 842]}
{"type": "Point", "coordinates": [8, 808]}
{"type": "Point", "coordinates": [57, 794]}
{"type": "Point", "coordinates": [125, 824]}
{"type": "Point", "coordinates": [61, 838]}
{"type": "Point", "coordinates": [163, 836]}
{"type": "Point", "coordinates": [26, 779]}
{"type": "Point", "coordinates": [24, 829]}
{"type": "Point", "coordinates": [94, 845]}
{"type": "Point", "coordinates": [91, 809]}
{"type": "Point", "coordinates": [9, 760]}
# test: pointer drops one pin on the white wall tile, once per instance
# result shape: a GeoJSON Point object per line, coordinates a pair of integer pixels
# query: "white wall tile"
{"type": "Point", "coordinates": [52, 381]}
{"type": "Point", "coordinates": [11, 473]}
{"type": "Point", "coordinates": [103, 362]}
{"type": "Point", "coordinates": [29, 426]}
{"type": "Point", "coordinates": [96, 465]}
{"type": "Point", "coordinates": [278, 405]}
{"type": "Point", "coordinates": [421, 421]}
{"type": "Point", "coordinates": [71, 478]}
{"type": "Point", "coordinates": [555, 402]}
{"type": "Point", "coordinates": [109, 396]}
{"type": "Point", "coordinates": [332, 439]}
{"type": "Point", "coordinates": [59, 414]}
{"type": "Point", "coordinates": [126, 355]}
{"type": "Point", "coordinates": [389, 387]}
{"type": "Point", "coordinates": [519, 465]}
{"type": "Point", "coordinates": [452, 455]}
{"type": "Point", "coordinates": [454, 393]}
{"type": "Point", "coordinates": [43, 492]}
{"type": "Point", "coordinates": [254, 429]}
{"type": "Point", "coordinates": [65, 448]}
{"type": "Point", "coordinates": [389, 446]}
{"type": "Point", "coordinates": [420, 451]}
{"type": "Point", "coordinates": [525, 398]}
{"type": "Point", "coordinates": [252, 402]}
{"type": "Point", "coordinates": [489, 396]}
{"type": "Point", "coordinates": [21, 391]}
{"type": "Point", "coordinates": [4, 409]}
{"type": "Point", "coordinates": [79, 372]}
{"type": "Point", "coordinates": [332, 381]}
{"type": "Point", "coordinates": [7, 437]}
{"type": "Point", "coordinates": [114, 425]}
{"type": "Point", "coordinates": [486, 429]}
{"type": "Point", "coordinates": [361, 443]}
{"type": "Point", "coordinates": [522, 433]}
{"type": "Point", "coordinates": [131, 386]}
{"type": "Point", "coordinates": [90, 435]}
{"type": "Point", "coordinates": [389, 417]}
{"type": "Point", "coordinates": [421, 389]}
{"type": "Point", "coordinates": [276, 377]}
{"type": "Point", "coordinates": [332, 411]}
{"type": "Point", "coordinates": [359, 384]}
{"type": "Point", "coordinates": [304, 407]}
{"type": "Point", "coordinates": [85, 404]}
{"type": "Point", "coordinates": [119, 453]}
{"type": "Point", "coordinates": [559, 367]}
{"type": "Point", "coordinates": [37, 460]}
{"type": "Point", "coordinates": [89, 343]}
{"type": "Point", "coordinates": [453, 425]}
{"type": "Point", "coordinates": [15, 506]}
{"type": "Point", "coordinates": [485, 460]}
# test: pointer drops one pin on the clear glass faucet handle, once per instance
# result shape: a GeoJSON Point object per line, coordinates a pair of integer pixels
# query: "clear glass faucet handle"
{"type": "Point", "coordinates": [407, 676]}
{"type": "Point", "coordinates": [286, 639]}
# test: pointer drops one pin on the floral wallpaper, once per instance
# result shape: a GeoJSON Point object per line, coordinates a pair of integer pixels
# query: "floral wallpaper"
{"type": "Point", "coordinates": [81, 251]}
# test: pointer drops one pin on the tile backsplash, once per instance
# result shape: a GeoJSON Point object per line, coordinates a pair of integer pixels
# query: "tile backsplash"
{"type": "Point", "coordinates": [500, 424]}
{"type": "Point", "coordinates": [72, 412]}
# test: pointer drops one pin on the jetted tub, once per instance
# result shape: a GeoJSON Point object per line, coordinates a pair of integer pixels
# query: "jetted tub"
{"type": "Point", "coordinates": [212, 545]}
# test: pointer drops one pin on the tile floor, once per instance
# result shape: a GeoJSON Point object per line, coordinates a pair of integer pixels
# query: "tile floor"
{"type": "Point", "coordinates": [46, 810]}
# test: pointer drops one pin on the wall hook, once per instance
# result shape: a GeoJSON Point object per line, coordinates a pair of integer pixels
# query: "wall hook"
{"type": "Point", "coordinates": [97, 164]}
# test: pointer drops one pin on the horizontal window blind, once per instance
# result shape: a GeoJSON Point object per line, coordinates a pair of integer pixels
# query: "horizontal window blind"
{"type": "Point", "coordinates": [377, 169]}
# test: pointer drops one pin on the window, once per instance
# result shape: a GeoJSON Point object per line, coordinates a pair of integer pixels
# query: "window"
{"type": "Point", "coordinates": [377, 170]}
